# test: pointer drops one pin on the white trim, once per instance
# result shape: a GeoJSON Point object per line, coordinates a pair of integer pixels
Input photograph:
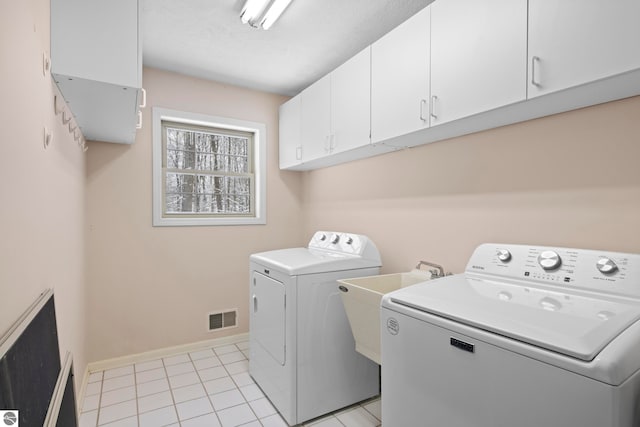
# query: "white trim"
{"type": "Point", "coordinates": [118, 362]}
{"type": "Point", "coordinates": [80, 393]}
{"type": "Point", "coordinates": [259, 131]}
{"type": "Point", "coordinates": [53, 412]}
{"type": "Point", "coordinates": [19, 326]}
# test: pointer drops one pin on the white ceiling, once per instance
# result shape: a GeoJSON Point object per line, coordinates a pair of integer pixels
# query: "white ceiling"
{"type": "Point", "coordinates": [205, 38]}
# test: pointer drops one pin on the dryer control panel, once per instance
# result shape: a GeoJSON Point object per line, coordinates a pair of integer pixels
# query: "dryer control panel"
{"type": "Point", "coordinates": [344, 243]}
{"type": "Point", "coordinates": [601, 271]}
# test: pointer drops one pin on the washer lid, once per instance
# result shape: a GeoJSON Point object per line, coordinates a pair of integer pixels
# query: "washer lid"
{"type": "Point", "coordinates": [297, 261]}
{"type": "Point", "coordinates": [576, 325]}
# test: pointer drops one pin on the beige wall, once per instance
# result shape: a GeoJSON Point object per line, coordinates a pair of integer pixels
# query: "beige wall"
{"type": "Point", "coordinates": [41, 190]}
{"type": "Point", "coordinates": [567, 180]}
{"type": "Point", "coordinates": [570, 180]}
{"type": "Point", "coordinates": [152, 287]}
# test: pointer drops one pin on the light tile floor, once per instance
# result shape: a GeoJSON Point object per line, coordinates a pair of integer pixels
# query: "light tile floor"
{"type": "Point", "coordinates": [207, 388]}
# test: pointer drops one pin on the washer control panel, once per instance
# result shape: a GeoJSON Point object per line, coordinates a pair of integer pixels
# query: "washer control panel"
{"type": "Point", "coordinates": [613, 272]}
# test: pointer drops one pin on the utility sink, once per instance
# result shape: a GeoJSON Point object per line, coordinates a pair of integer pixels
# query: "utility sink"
{"type": "Point", "coordinates": [362, 296]}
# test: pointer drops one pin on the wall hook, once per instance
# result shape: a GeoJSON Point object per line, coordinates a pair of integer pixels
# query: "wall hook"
{"type": "Point", "coordinates": [66, 120]}
{"type": "Point", "coordinates": [46, 64]}
{"type": "Point", "coordinates": [55, 105]}
{"type": "Point", "coordinates": [48, 137]}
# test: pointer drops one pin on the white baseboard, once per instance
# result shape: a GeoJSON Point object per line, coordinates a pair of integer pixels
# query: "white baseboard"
{"type": "Point", "coordinates": [80, 393]}
{"type": "Point", "coordinates": [117, 362]}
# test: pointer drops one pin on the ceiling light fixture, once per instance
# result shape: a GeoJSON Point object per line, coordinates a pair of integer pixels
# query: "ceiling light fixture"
{"type": "Point", "coordinates": [262, 13]}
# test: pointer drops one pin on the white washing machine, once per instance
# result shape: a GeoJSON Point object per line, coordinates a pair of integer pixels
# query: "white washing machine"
{"type": "Point", "coordinates": [528, 336]}
{"type": "Point", "coordinates": [302, 351]}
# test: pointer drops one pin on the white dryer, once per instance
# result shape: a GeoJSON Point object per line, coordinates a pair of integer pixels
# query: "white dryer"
{"type": "Point", "coordinates": [302, 351]}
{"type": "Point", "coordinates": [528, 336]}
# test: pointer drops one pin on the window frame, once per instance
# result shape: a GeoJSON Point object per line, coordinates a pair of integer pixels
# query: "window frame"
{"type": "Point", "coordinates": [203, 120]}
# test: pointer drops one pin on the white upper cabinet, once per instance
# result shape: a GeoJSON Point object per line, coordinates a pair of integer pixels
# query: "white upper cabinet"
{"type": "Point", "coordinates": [96, 61]}
{"type": "Point", "coordinates": [97, 40]}
{"type": "Point", "coordinates": [290, 136]}
{"type": "Point", "coordinates": [463, 66]}
{"type": "Point", "coordinates": [316, 119]}
{"type": "Point", "coordinates": [572, 42]}
{"type": "Point", "coordinates": [335, 115]}
{"type": "Point", "coordinates": [350, 103]}
{"type": "Point", "coordinates": [478, 56]}
{"type": "Point", "coordinates": [400, 79]}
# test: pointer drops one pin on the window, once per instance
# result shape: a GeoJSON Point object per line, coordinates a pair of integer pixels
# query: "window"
{"type": "Point", "coordinates": [207, 170]}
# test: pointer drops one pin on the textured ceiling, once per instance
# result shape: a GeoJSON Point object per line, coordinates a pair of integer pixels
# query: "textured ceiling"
{"type": "Point", "coordinates": [205, 38]}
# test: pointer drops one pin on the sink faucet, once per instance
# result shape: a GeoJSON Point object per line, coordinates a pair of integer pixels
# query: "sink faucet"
{"type": "Point", "coordinates": [438, 270]}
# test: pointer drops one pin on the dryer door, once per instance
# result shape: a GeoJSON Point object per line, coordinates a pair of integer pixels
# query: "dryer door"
{"type": "Point", "coordinates": [268, 315]}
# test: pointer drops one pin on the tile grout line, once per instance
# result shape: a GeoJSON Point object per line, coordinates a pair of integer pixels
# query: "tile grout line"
{"type": "Point", "coordinates": [238, 388]}
{"type": "Point", "coordinates": [117, 403]}
{"type": "Point", "coordinates": [100, 400]}
{"type": "Point", "coordinates": [203, 387]}
{"type": "Point", "coordinates": [135, 392]}
{"type": "Point", "coordinates": [173, 399]}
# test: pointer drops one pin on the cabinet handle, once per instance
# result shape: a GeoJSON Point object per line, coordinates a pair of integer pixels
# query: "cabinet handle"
{"type": "Point", "coordinates": [298, 153]}
{"type": "Point", "coordinates": [432, 108]}
{"type": "Point", "coordinates": [139, 124]}
{"type": "Point", "coordinates": [534, 59]}
{"type": "Point", "coordinates": [144, 98]}
{"type": "Point", "coordinates": [423, 103]}
{"type": "Point", "coordinates": [332, 142]}
{"type": "Point", "coordinates": [255, 303]}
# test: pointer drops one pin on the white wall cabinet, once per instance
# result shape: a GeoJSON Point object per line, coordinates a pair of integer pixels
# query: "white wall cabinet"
{"type": "Point", "coordinates": [400, 79]}
{"type": "Point", "coordinates": [335, 113]}
{"type": "Point", "coordinates": [463, 66]}
{"type": "Point", "coordinates": [478, 54]}
{"type": "Point", "coordinates": [290, 148]}
{"type": "Point", "coordinates": [572, 42]}
{"type": "Point", "coordinates": [316, 119]}
{"type": "Point", "coordinates": [96, 62]}
{"type": "Point", "coordinates": [350, 103]}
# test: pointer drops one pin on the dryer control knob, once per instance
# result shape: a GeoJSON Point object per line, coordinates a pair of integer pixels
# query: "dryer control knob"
{"type": "Point", "coordinates": [504, 255]}
{"type": "Point", "coordinates": [335, 238]}
{"type": "Point", "coordinates": [606, 265]}
{"type": "Point", "coordinates": [549, 260]}
{"type": "Point", "coordinates": [323, 237]}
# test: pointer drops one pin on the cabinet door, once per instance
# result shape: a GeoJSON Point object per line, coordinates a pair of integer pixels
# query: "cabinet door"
{"type": "Point", "coordinates": [478, 56]}
{"type": "Point", "coordinates": [290, 146]}
{"type": "Point", "coordinates": [316, 119]}
{"type": "Point", "coordinates": [351, 103]}
{"type": "Point", "coordinates": [97, 40]}
{"type": "Point", "coordinates": [400, 79]}
{"type": "Point", "coordinates": [572, 42]}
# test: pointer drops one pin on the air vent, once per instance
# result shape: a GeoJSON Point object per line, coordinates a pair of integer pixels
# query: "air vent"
{"type": "Point", "coordinates": [223, 319]}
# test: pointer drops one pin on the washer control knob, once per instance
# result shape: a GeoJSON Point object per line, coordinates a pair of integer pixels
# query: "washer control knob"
{"type": "Point", "coordinates": [335, 238]}
{"type": "Point", "coordinates": [323, 237]}
{"type": "Point", "coordinates": [549, 260]}
{"type": "Point", "coordinates": [504, 255]}
{"type": "Point", "coordinates": [349, 240]}
{"type": "Point", "coordinates": [606, 265]}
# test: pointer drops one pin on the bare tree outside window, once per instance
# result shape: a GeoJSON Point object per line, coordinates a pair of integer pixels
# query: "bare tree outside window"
{"type": "Point", "coordinates": [207, 171]}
